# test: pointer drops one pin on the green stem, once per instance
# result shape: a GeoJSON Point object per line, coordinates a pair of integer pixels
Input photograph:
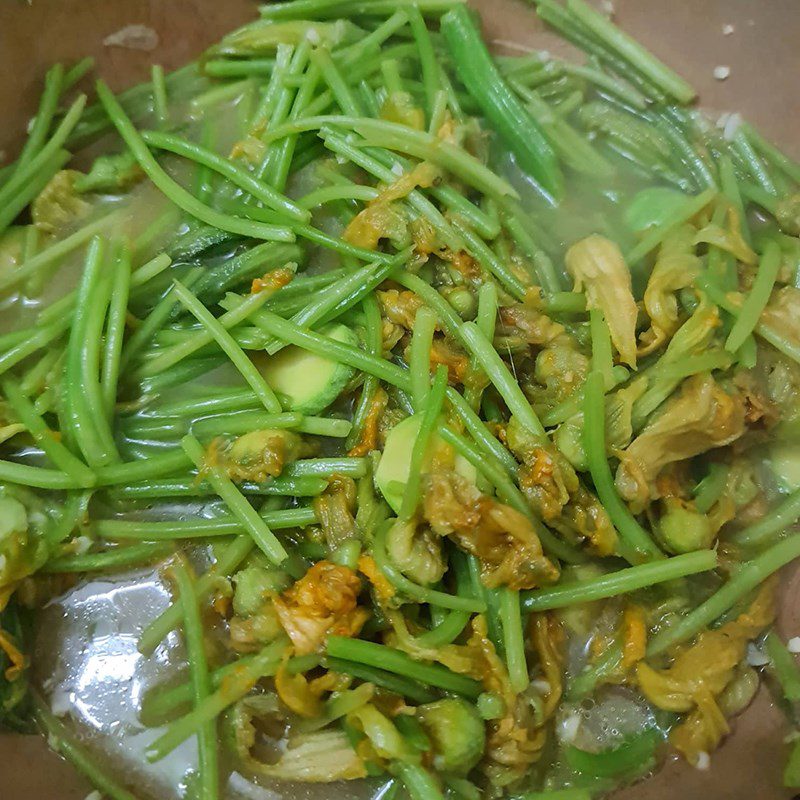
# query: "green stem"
{"type": "Point", "coordinates": [229, 346]}
{"type": "Point", "coordinates": [173, 190]}
{"type": "Point", "coordinates": [26, 172]}
{"type": "Point", "coordinates": [41, 478]}
{"type": "Point", "coordinates": [602, 357]}
{"type": "Point", "coordinates": [277, 487]}
{"type": "Point", "coordinates": [749, 575]}
{"type": "Point", "coordinates": [498, 103]}
{"type": "Point", "coordinates": [405, 687]}
{"type": "Point", "coordinates": [710, 489]}
{"type": "Point", "coordinates": [373, 344]}
{"type": "Point", "coordinates": [144, 469]}
{"type": "Point", "coordinates": [784, 344]}
{"type": "Point", "coordinates": [427, 58]}
{"type": "Point", "coordinates": [115, 328]}
{"type": "Point", "coordinates": [432, 406]}
{"type": "Point", "coordinates": [657, 234]}
{"type": "Point", "coordinates": [236, 502]}
{"type": "Point", "coordinates": [197, 340]}
{"type": "Point", "coordinates": [326, 9]}
{"type": "Point", "coordinates": [128, 556]}
{"type": "Point", "coordinates": [39, 339]}
{"type": "Point", "coordinates": [13, 207]}
{"type": "Point", "coordinates": [403, 139]}
{"type": "Point", "coordinates": [513, 639]}
{"type": "Point", "coordinates": [786, 513]}
{"type": "Point", "coordinates": [84, 415]}
{"type": "Point", "coordinates": [419, 360]}
{"type": "Point", "coordinates": [351, 467]}
{"type": "Point", "coordinates": [237, 685]}
{"type": "Point", "coordinates": [585, 683]}
{"type": "Point", "coordinates": [208, 759]}
{"type": "Point", "coordinates": [635, 542]}
{"type": "Point", "coordinates": [288, 332]}
{"type": "Point", "coordinates": [629, 49]}
{"type": "Point", "coordinates": [156, 319]}
{"type": "Point", "coordinates": [342, 295]}
{"type": "Point", "coordinates": [233, 555]}
{"type": "Point", "coordinates": [784, 667]}
{"type": "Point", "coordinates": [48, 104]}
{"type": "Point", "coordinates": [346, 99]}
{"type": "Point", "coordinates": [419, 782]}
{"type": "Point", "coordinates": [771, 153]}
{"type": "Point", "coordinates": [228, 169]}
{"type": "Point", "coordinates": [120, 529]}
{"type": "Point", "coordinates": [53, 254]}
{"type": "Point", "coordinates": [623, 581]}
{"type": "Point", "coordinates": [387, 658]}
{"type": "Point", "coordinates": [242, 422]}
{"type": "Point", "coordinates": [421, 594]}
{"type": "Point", "coordinates": [758, 170]}
{"type": "Point", "coordinates": [497, 372]}
{"type": "Point", "coordinates": [68, 744]}
{"type": "Point", "coordinates": [46, 439]}
{"type": "Point", "coordinates": [758, 297]}
{"type": "Point", "coordinates": [160, 104]}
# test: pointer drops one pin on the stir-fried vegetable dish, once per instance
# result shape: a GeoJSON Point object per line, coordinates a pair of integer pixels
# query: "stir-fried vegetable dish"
{"type": "Point", "coordinates": [453, 395]}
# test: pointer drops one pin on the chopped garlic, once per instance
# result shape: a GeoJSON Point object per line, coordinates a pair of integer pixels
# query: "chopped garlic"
{"type": "Point", "coordinates": [730, 125]}
{"type": "Point", "coordinates": [793, 645]}
{"type": "Point", "coordinates": [722, 71]}
{"type": "Point", "coordinates": [727, 29]}
{"type": "Point", "coordinates": [756, 657]}
{"type": "Point", "coordinates": [133, 37]}
{"type": "Point", "coordinates": [81, 545]}
{"type": "Point", "coordinates": [61, 702]}
{"type": "Point", "coordinates": [703, 761]}
{"type": "Point", "coordinates": [568, 727]}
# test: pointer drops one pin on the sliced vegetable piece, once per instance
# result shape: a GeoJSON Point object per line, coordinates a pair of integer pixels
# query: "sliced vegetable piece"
{"type": "Point", "coordinates": [392, 473]}
{"type": "Point", "coordinates": [308, 382]}
{"type": "Point", "coordinates": [631, 756]}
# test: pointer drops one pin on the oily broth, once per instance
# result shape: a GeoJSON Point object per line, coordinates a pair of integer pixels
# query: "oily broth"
{"type": "Point", "coordinates": [129, 215]}
{"type": "Point", "coordinates": [87, 667]}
